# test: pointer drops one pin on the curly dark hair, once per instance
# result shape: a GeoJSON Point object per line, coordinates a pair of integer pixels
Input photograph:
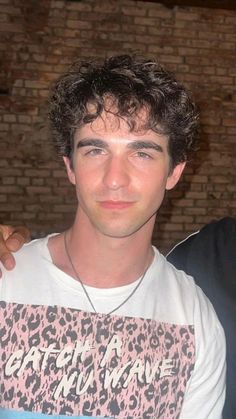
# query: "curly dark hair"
{"type": "Point", "coordinates": [133, 83]}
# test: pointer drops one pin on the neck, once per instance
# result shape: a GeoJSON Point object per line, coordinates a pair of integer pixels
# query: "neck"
{"type": "Point", "coordinates": [109, 263]}
{"type": "Point", "coordinates": [101, 261]}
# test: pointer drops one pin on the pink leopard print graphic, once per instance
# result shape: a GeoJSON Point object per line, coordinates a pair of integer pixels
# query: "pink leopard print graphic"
{"type": "Point", "coordinates": [57, 360]}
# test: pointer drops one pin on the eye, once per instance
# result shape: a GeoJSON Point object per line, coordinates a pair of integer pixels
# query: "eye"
{"type": "Point", "coordinates": [94, 152]}
{"type": "Point", "coordinates": [143, 155]}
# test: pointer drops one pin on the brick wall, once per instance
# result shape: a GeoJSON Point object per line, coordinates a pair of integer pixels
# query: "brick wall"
{"type": "Point", "coordinates": [40, 39]}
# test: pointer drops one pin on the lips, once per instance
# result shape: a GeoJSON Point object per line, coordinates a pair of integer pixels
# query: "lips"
{"type": "Point", "coordinates": [115, 205]}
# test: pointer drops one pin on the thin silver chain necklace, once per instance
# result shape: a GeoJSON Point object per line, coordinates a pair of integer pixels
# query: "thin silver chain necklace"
{"type": "Point", "coordinates": [84, 288]}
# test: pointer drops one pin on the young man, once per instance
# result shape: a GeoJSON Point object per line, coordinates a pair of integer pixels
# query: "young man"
{"type": "Point", "coordinates": [95, 322]}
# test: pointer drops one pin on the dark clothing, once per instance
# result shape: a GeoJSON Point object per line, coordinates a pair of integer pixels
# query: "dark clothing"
{"type": "Point", "coordinates": [210, 257]}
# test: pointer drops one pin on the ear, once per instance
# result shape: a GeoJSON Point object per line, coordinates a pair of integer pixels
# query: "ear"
{"type": "Point", "coordinates": [69, 169]}
{"type": "Point", "coordinates": [174, 176]}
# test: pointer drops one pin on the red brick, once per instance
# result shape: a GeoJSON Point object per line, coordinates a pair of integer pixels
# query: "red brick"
{"type": "Point", "coordinates": [188, 16]}
{"type": "Point", "coordinates": [11, 27]}
{"type": "Point", "coordinates": [78, 24]}
{"type": "Point", "coordinates": [145, 21]}
{"type": "Point", "coordinates": [33, 190]}
{"type": "Point", "coordinates": [36, 173]}
{"type": "Point", "coordinates": [134, 11]}
{"type": "Point", "coordinates": [78, 6]}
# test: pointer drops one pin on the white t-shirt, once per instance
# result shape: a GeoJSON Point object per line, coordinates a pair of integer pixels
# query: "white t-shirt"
{"type": "Point", "coordinates": [161, 354]}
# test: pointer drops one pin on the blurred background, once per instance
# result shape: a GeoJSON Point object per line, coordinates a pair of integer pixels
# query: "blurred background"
{"type": "Point", "coordinates": [39, 40]}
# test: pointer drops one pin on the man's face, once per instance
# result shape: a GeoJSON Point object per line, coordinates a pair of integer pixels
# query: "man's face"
{"type": "Point", "coordinates": [120, 176]}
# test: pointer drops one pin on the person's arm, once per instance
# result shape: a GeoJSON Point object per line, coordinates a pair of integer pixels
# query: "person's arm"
{"type": "Point", "coordinates": [11, 240]}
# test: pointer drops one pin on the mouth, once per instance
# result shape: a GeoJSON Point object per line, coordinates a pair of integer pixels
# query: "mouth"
{"type": "Point", "coordinates": [115, 205]}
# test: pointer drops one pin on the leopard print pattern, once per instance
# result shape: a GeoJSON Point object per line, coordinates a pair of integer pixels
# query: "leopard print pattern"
{"type": "Point", "coordinates": [57, 360]}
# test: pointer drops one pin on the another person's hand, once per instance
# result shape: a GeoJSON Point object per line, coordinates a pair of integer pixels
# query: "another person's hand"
{"type": "Point", "coordinates": [11, 240]}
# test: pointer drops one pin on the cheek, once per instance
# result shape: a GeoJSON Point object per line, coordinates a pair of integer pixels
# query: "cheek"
{"type": "Point", "coordinates": [85, 187]}
{"type": "Point", "coordinates": [154, 183]}
{"type": "Point", "coordinates": [153, 193]}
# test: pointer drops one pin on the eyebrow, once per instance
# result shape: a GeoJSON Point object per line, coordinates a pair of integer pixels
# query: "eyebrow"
{"type": "Point", "coordinates": [133, 145]}
{"type": "Point", "coordinates": [137, 145]}
{"type": "Point", "coordinates": [94, 142]}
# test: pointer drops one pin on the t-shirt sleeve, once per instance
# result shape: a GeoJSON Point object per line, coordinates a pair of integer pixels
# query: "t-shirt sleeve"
{"type": "Point", "coordinates": [205, 394]}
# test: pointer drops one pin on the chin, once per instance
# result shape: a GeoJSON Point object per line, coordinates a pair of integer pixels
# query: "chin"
{"type": "Point", "coordinates": [120, 232]}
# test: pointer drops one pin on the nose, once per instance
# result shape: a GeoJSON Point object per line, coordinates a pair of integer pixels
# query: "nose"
{"type": "Point", "coordinates": [116, 174]}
